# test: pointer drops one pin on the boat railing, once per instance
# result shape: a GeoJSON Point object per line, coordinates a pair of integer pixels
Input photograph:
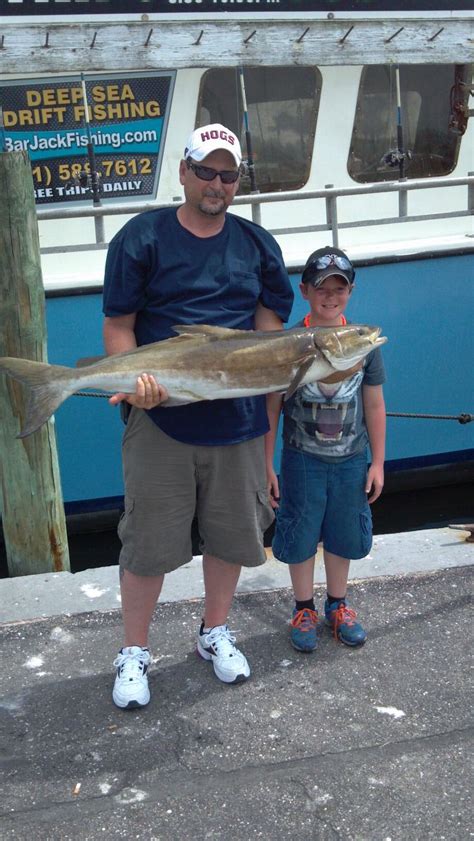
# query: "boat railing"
{"type": "Point", "coordinates": [330, 194]}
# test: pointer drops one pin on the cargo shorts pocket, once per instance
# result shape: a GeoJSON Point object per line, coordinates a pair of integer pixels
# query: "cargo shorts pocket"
{"type": "Point", "coordinates": [124, 517]}
{"type": "Point", "coordinates": [265, 512]}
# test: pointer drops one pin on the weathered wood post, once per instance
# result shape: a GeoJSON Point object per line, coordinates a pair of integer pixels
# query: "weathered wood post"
{"type": "Point", "coordinates": [30, 489]}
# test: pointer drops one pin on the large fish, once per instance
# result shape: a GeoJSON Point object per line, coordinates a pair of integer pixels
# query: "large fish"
{"type": "Point", "coordinates": [203, 363]}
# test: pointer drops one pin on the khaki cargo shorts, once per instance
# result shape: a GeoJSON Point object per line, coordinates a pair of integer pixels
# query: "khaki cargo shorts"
{"type": "Point", "coordinates": [168, 483]}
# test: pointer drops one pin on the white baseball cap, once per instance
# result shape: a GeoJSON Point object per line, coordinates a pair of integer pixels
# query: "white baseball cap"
{"type": "Point", "coordinates": [207, 139]}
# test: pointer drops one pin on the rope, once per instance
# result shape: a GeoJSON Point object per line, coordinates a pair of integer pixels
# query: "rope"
{"type": "Point", "coordinates": [91, 394]}
{"type": "Point", "coordinates": [463, 418]}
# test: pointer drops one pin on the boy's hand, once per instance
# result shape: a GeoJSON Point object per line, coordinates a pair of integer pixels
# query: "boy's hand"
{"type": "Point", "coordinates": [375, 480]}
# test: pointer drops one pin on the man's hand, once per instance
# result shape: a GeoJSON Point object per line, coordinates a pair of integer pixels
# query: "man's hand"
{"type": "Point", "coordinates": [273, 487]}
{"type": "Point", "coordinates": [148, 394]}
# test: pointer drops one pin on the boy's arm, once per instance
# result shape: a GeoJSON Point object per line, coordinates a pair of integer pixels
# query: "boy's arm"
{"type": "Point", "coordinates": [375, 419]}
{"type": "Point", "coordinates": [266, 319]}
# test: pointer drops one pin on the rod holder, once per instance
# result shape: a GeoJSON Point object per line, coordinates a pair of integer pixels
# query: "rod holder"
{"type": "Point", "coordinates": [436, 34]}
{"type": "Point", "coordinates": [346, 35]}
{"type": "Point", "coordinates": [299, 40]}
{"type": "Point", "coordinates": [387, 41]}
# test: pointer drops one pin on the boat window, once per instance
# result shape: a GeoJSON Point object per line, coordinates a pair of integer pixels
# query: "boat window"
{"type": "Point", "coordinates": [434, 109]}
{"type": "Point", "coordinates": [282, 104]}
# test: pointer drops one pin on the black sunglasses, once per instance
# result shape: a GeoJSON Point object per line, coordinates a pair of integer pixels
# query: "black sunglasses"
{"type": "Point", "coordinates": [205, 173]}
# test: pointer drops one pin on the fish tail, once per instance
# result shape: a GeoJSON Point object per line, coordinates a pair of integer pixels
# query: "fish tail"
{"type": "Point", "coordinates": [49, 386]}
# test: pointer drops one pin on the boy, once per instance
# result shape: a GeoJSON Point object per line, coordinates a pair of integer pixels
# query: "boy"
{"type": "Point", "coordinates": [324, 476]}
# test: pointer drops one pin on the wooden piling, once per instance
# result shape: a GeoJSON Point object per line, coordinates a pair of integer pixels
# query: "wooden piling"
{"type": "Point", "coordinates": [31, 503]}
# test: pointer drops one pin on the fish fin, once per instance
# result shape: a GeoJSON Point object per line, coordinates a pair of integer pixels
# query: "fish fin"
{"type": "Point", "coordinates": [89, 360]}
{"type": "Point", "coordinates": [208, 330]}
{"type": "Point", "coordinates": [296, 381]}
{"type": "Point", "coordinates": [183, 337]}
{"type": "Point", "coordinates": [47, 388]}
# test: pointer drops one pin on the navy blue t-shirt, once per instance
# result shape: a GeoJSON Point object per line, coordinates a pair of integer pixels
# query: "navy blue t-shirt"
{"type": "Point", "coordinates": [168, 276]}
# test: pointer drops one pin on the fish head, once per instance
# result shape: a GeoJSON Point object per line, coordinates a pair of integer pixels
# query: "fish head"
{"type": "Point", "coordinates": [344, 347]}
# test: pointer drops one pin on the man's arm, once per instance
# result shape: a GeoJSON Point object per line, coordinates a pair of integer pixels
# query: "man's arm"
{"type": "Point", "coordinates": [375, 419]}
{"type": "Point", "coordinates": [266, 319]}
{"type": "Point", "coordinates": [119, 336]}
{"type": "Point", "coordinates": [119, 333]}
{"type": "Point", "coordinates": [274, 402]}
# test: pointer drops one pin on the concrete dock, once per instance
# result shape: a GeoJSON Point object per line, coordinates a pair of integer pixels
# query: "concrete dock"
{"type": "Point", "coordinates": [372, 744]}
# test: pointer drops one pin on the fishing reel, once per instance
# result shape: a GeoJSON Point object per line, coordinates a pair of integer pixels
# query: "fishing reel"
{"type": "Point", "coordinates": [244, 169]}
{"type": "Point", "coordinates": [458, 102]}
{"type": "Point", "coordinates": [394, 157]}
{"type": "Point", "coordinates": [459, 109]}
{"type": "Point", "coordinates": [89, 181]}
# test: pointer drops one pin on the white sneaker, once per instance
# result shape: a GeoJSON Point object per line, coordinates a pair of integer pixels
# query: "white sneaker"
{"type": "Point", "coordinates": [131, 684]}
{"type": "Point", "coordinates": [229, 663]}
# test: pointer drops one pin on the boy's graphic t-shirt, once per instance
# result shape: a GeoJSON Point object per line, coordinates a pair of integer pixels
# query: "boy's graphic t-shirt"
{"type": "Point", "coordinates": [328, 420]}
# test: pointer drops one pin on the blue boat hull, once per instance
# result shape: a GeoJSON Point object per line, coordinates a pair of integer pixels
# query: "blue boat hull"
{"type": "Point", "coordinates": [424, 307]}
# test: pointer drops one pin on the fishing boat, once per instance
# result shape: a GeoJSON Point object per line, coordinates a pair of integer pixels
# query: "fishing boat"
{"type": "Point", "coordinates": [355, 123]}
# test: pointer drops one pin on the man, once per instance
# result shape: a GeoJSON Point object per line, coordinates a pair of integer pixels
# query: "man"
{"type": "Point", "coordinates": [196, 264]}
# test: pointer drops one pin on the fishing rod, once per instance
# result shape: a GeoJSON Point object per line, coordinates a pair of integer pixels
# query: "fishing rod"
{"type": "Point", "coordinates": [91, 179]}
{"type": "Point", "coordinates": [248, 141]}
{"type": "Point", "coordinates": [398, 156]}
{"type": "Point", "coordinates": [401, 152]}
{"type": "Point", "coordinates": [2, 131]}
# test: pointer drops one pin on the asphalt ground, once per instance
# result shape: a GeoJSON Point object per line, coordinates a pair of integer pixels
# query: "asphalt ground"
{"type": "Point", "coordinates": [369, 744]}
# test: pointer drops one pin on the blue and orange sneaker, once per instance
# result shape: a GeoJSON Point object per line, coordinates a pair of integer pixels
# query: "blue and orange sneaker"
{"type": "Point", "coordinates": [303, 629]}
{"type": "Point", "coordinates": [342, 620]}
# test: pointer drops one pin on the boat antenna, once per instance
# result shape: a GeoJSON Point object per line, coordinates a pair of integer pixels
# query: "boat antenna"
{"type": "Point", "coordinates": [248, 136]}
{"type": "Point", "coordinates": [91, 179]}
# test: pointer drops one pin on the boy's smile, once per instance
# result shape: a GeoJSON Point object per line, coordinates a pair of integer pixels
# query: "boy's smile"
{"type": "Point", "coordinates": [328, 301]}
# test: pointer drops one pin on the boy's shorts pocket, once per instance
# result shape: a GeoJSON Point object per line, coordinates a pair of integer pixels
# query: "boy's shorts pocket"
{"type": "Point", "coordinates": [365, 520]}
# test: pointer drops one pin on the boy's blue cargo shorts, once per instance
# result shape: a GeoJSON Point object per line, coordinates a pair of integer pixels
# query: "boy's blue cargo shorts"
{"type": "Point", "coordinates": [322, 501]}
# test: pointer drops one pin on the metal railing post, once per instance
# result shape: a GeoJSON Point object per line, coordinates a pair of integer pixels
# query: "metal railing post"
{"type": "Point", "coordinates": [402, 200]}
{"type": "Point", "coordinates": [331, 215]}
{"type": "Point", "coordinates": [257, 213]}
{"type": "Point", "coordinates": [470, 195]}
{"type": "Point", "coordinates": [99, 229]}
